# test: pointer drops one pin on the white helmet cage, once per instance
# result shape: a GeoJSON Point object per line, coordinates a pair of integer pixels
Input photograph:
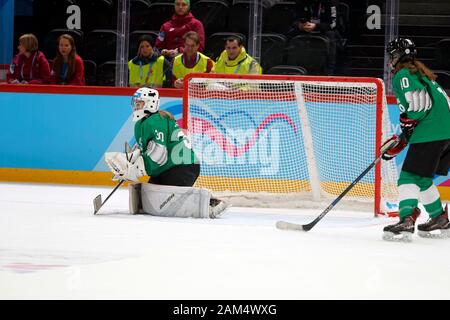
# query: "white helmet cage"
{"type": "Point", "coordinates": [145, 101]}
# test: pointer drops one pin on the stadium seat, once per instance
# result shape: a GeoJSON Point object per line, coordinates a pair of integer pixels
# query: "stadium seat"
{"type": "Point", "coordinates": [157, 14]}
{"type": "Point", "coordinates": [308, 51]}
{"type": "Point", "coordinates": [364, 72]}
{"type": "Point", "coordinates": [50, 46]}
{"type": "Point", "coordinates": [212, 13]}
{"type": "Point", "coordinates": [90, 72]}
{"type": "Point", "coordinates": [443, 78]}
{"type": "Point", "coordinates": [280, 17]}
{"type": "Point", "coordinates": [133, 41]}
{"type": "Point", "coordinates": [343, 14]}
{"type": "Point", "coordinates": [288, 70]}
{"type": "Point", "coordinates": [272, 49]}
{"type": "Point", "coordinates": [215, 43]}
{"type": "Point", "coordinates": [97, 14]}
{"type": "Point", "coordinates": [238, 17]}
{"type": "Point", "coordinates": [100, 45]}
{"type": "Point", "coordinates": [50, 14]}
{"type": "Point", "coordinates": [442, 54]}
{"type": "Point", "coordinates": [106, 74]}
{"type": "Point", "coordinates": [139, 14]}
{"type": "Point", "coordinates": [363, 62]}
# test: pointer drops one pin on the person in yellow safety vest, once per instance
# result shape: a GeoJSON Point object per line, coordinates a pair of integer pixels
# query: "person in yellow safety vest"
{"type": "Point", "coordinates": [235, 60]}
{"type": "Point", "coordinates": [149, 68]}
{"type": "Point", "coordinates": [190, 60]}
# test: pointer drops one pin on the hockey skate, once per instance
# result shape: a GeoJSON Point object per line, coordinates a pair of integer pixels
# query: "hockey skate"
{"type": "Point", "coordinates": [403, 230]}
{"type": "Point", "coordinates": [217, 208]}
{"type": "Point", "coordinates": [440, 224]}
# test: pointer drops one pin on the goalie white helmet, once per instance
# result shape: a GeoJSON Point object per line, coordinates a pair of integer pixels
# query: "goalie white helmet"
{"type": "Point", "coordinates": [144, 101]}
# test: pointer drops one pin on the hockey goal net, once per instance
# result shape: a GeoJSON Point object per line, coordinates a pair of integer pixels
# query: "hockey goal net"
{"type": "Point", "coordinates": [289, 141]}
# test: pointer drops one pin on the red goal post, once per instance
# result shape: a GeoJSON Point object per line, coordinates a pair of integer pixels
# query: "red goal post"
{"type": "Point", "coordinates": [296, 139]}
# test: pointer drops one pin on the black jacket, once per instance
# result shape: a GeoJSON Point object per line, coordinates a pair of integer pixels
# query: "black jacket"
{"type": "Point", "coordinates": [323, 10]}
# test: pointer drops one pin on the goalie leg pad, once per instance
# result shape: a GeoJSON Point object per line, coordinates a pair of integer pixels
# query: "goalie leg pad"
{"type": "Point", "coordinates": [173, 201]}
{"type": "Point", "coordinates": [135, 203]}
{"type": "Point", "coordinates": [217, 207]}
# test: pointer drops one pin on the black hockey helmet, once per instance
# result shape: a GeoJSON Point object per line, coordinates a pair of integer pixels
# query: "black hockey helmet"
{"type": "Point", "coordinates": [401, 49]}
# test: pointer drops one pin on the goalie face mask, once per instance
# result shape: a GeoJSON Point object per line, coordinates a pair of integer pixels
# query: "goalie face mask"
{"type": "Point", "coordinates": [138, 108]}
{"type": "Point", "coordinates": [144, 101]}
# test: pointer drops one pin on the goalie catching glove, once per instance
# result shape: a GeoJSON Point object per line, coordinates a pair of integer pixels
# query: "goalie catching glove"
{"type": "Point", "coordinates": [126, 166]}
{"type": "Point", "coordinates": [392, 147]}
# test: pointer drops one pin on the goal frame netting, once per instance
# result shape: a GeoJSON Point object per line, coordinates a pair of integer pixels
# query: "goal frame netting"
{"type": "Point", "coordinates": [380, 104]}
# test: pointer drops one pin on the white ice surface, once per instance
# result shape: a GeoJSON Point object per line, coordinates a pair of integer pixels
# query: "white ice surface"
{"type": "Point", "coordinates": [53, 247]}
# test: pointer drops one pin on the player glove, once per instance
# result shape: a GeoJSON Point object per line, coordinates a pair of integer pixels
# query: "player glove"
{"type": "Point", "coordinates": [392, 147]}
{"type": "Point", "coordinates": [407, 125]}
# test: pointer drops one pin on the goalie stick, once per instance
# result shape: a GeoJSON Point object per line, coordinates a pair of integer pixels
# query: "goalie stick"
{"type": "Point", "coordinates": [284, 225]}
{"type": "Point", "coordinates": [98, 199]}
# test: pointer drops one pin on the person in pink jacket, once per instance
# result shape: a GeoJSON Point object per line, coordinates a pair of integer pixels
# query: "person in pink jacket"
{"type": "Point", "coordinates": [170, 39]}
{"type": "Point", "coordinates": [30, 64]}
{"type": "Point", "coordinates": [68, 67]}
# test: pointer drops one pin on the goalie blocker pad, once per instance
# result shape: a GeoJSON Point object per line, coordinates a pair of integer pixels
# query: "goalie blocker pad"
{"type": "Point", "coordinates": [169, 201]}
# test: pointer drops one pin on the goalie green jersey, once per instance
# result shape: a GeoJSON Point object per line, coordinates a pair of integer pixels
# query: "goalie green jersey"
{"type": "Point", "coordinates": [162, 143]}
{"type": "Point", "coordinates": [431, 111]}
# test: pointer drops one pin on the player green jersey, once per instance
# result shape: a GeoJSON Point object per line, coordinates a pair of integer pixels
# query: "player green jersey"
{"type": "Point", "coordinates": [434, 119]}
{"type": "Point", "coordinates": [162, 143]}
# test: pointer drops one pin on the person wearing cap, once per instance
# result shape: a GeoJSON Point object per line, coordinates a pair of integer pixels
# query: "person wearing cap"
{"type": "Point", "coordinates": [149, 68]}
{"type": "Point", "coordinates": [170, 39]}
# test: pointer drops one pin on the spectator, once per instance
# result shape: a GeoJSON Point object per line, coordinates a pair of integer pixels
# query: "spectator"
{"type": "Point", "coordinates": [30, 64]}
{"type": "Point", "coordinates": [170, 39]}
{"type": "Point", "coordinates": [190, 60]}
{"type": "Point", "coordinates": [318, 16]}
{"type": "Point", "coordinates": [68, 67]}
{"type": "Point", "coordinates": [149, 68]}
{"type": "Point", "coordinates": [234, 59]}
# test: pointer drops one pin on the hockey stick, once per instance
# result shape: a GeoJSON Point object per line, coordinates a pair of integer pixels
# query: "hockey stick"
{"type": "Point", "coordinates": [284, 225]}
{"type": "Point", "coordinates": [98, 199]}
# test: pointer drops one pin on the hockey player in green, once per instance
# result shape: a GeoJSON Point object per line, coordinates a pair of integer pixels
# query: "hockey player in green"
{"type": "Point", "coordinates": [166, 150]}
{"type": "Point", "coordinates": [425, 123]}
{"type": "Point", "coordinates": [165, 154]}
